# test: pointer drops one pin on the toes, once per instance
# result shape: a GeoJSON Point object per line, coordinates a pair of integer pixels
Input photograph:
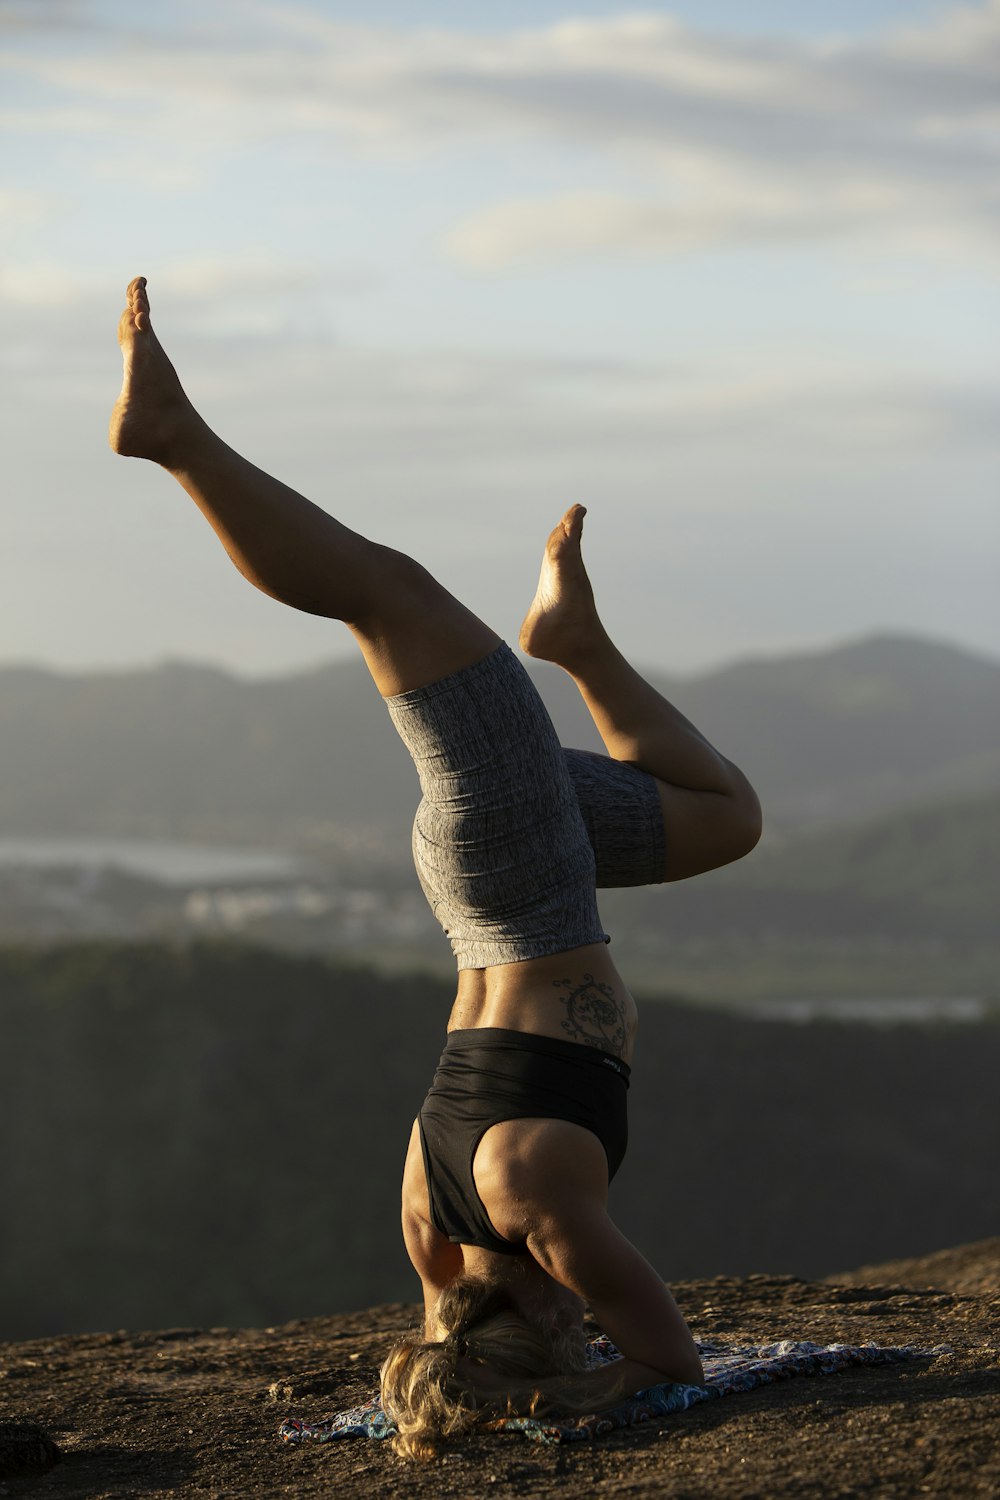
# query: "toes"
{"type": "Point", "coordinates": [570, 528]}
{"type": "Point", "coordinates": [138, 303]}
{"type": "Point", "coordinates": [557, 540]}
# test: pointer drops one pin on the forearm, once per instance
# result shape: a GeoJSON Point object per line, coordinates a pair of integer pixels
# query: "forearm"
{"type": "Point", "coordinates": [580, 1247]}
{"type": "Point", "coordinates": [655, 1332]}
{"type": "Point", "coordinates": [606, 1386]}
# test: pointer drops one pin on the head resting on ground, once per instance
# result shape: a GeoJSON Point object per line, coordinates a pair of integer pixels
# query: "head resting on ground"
{"type": "Point", "coordinates": [491, 1360]}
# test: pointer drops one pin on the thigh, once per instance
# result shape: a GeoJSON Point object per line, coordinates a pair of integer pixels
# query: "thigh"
{"type": "Point", "coordinates": [413, 631]}
{"type": "Point", "coordinates": [623, 816]}
{"type": "Point", "coordinates": [499, 843]}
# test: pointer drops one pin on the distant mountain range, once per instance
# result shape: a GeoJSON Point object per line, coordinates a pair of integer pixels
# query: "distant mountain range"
{"type": "Point", "coordinates": [878, 765]}
{"type": "Point", "coordinates": [310, 760]}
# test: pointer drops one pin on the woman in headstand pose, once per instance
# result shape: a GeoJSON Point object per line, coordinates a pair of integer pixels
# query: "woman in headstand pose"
{"type": "Point", "coordinates": [506, 1179]}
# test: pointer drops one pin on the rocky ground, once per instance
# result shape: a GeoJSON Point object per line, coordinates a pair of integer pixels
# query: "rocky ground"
{"type": "Point", "coordinates": [193, 1412]}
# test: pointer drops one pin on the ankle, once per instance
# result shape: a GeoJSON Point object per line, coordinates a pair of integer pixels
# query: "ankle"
{"type": "Point", "coordinates": [587, 651]}
{"type": "Point", "coordinates": [189, 445]}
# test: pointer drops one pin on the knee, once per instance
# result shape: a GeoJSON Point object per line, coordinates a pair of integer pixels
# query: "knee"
{"type": "Point", "coordinates": [706, 830]}
{"type": "Point", "coordinates": [749, 822]}
{"type": "Point", "coordinates": [743, 826]}
{"type": "Point", "coordinates": [390, 583]}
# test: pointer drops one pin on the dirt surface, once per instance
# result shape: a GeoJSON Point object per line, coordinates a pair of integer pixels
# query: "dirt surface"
{"type": "Point", "coordinates": [193, 1412]}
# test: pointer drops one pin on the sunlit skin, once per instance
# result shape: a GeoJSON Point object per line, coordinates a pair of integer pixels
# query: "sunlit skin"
{"type": "Point", "coordinates": [544, 1183]}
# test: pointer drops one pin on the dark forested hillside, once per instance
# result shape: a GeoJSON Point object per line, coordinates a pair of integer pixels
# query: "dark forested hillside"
{"type": "Point", "coordinates": [215, 1135]}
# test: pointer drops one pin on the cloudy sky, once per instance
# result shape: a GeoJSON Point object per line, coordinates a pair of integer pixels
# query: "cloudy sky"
{"type": "Point", "coordinates": [728, 274]}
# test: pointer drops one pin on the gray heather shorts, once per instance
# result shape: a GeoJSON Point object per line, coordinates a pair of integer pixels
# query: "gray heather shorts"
{"type": "Point", "coordinates": [514, 834]}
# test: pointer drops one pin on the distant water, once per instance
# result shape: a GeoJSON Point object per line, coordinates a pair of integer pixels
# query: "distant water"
{"type": "Point", "coordinates": [174, 864]}
{"type": "Point", "coordinates": [876, 1010]}
{"type": "Point", "coordinates": [184, 864]}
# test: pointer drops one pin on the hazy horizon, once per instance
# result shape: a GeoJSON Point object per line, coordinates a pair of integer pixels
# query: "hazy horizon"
{"type": "Point", "coordinates": [350, 654]}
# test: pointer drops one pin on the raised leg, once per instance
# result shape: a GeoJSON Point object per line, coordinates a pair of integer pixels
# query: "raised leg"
{"type": "Point", "coordinates": [410, 629]}
{"type": "Point", "coordinates": [711, 813]}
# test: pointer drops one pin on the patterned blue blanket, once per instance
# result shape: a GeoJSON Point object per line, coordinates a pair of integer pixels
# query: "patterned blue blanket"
{"type": "Point", "coordinates": [728, 1370]}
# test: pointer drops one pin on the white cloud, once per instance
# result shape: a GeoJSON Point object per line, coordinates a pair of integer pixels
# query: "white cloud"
{"type": "Point", "coordinates": [67, 119]}
{"type": "Point", "coordinates": [740, 140]}
{"type": "Point", "coordinates": [438, 410]}
{"type": "Point", "coordinates": [252, 295]}
{"type": "Point", "coordinates": [718, 213]}
{"type": "Point", "coordinates": [171, 175]}
{"type": "Point", "coordinates": [252, 275]}
{"type": "Point", "coordinates": [22, 210]}
{"type": "Point", "coordinates": [37, 284]}
{"type": "Point", "coordinates": [420, 416]}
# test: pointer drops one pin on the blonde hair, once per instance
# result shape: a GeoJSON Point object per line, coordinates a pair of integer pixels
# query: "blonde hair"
{"type": "Point", "coordinates": [493, 1361]}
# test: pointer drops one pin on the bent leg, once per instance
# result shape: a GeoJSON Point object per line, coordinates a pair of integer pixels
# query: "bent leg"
{"type": "Point", "coordinates": [710, 811]}
{"type": "Point", "coordinates": [410, 629]}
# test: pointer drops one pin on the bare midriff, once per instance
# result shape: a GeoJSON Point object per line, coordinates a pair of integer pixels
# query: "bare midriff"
{"type": "Point", "coordinates": [577, 996]}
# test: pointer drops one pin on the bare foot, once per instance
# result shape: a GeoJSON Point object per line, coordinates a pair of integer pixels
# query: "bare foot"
{"type": "Point", "coordinates": [562, 624]}
{"type": "Point", "coordinates": [152, 411]}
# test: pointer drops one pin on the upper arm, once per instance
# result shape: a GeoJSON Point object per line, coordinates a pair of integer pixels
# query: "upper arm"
{"type": "Point", "coordinates": [581, 1248]}
{"type": "Point", "coordinates": [433, 1256]}
{"type": "Point", "coordinates": [559, 1203]}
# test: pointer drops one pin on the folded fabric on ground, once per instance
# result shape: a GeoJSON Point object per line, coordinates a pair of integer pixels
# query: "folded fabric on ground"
{"type": "Point", "coordinates": [728, 1370]}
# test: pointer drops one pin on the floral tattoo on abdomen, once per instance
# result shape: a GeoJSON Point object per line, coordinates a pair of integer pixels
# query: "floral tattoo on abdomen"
{"type": "Point", "coordinates": [594, 1016]}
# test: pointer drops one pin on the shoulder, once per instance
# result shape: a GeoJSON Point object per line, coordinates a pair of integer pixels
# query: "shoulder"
{"type": "Point", "coordinates": [531, 1173]}
{"type": "Point", "coordinates": [434, 1258]}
